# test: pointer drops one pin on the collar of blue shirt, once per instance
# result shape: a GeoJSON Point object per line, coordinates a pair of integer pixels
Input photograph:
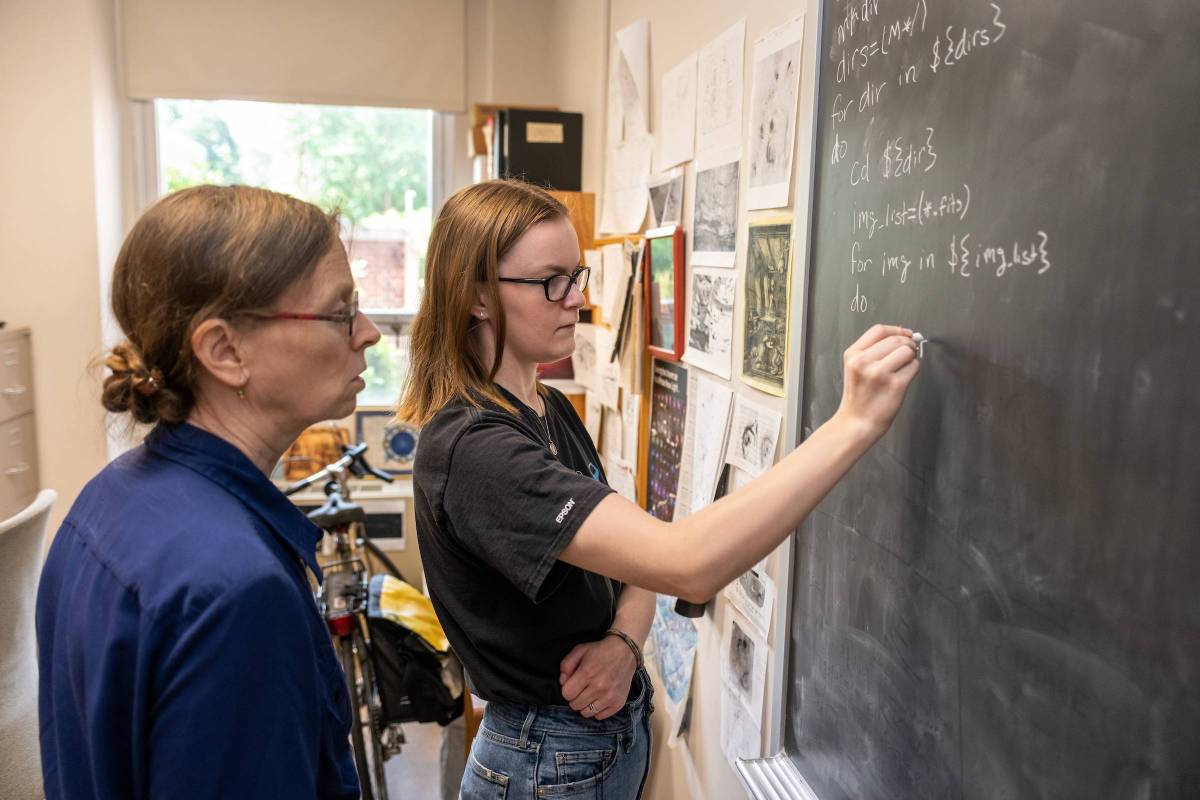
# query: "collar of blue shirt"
{"type": "Point", "coordinates": [229, 468]}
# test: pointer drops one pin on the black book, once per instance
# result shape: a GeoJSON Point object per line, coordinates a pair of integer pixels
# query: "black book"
{"type": "Point", "coordinates": [544, 148]}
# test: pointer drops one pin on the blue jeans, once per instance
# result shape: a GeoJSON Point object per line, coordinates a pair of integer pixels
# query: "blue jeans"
{"type": "Point", "coordinates": [525, 752]}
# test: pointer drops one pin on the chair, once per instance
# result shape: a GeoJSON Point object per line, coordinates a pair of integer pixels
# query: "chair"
{"type": "Point", "coordinates": [21, 544]}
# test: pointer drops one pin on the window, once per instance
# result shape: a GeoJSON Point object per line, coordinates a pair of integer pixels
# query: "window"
{"type": "Point", "coordinates": [374, 165]}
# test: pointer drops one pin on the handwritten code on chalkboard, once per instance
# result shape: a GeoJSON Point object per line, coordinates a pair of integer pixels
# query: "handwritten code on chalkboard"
{"type": "Point", "coordinates": [1002, 600]}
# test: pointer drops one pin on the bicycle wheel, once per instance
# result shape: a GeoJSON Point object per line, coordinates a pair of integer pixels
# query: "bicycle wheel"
{"type": "Point", "coordinates": [366, 723]}
{"type": "Point", "coordinates": [376, 557]}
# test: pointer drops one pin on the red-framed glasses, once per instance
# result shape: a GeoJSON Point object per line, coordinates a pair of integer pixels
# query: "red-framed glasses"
{"type": "Point", "coordinates": [346, 319]}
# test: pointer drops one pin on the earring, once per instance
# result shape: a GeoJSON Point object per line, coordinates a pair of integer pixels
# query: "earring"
{"type": "Point", "coordinates": [241, 393]}
{"type": "Point", "coordinates": [483, 315]}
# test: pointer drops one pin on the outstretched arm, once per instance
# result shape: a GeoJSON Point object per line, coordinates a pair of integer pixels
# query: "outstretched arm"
{"type": "Point", "coordinates": [697, 556]}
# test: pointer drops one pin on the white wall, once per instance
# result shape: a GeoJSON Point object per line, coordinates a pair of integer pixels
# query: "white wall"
{"type": "Point", "coordinates": [60, 212]}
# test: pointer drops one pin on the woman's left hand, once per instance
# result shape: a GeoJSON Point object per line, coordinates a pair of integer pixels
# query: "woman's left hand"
{"type": "Point", "coordinates": [596, 676]}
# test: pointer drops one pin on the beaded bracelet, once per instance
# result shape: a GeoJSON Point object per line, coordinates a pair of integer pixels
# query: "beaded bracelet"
{"type": "Point", "coordinates": [637, 651]}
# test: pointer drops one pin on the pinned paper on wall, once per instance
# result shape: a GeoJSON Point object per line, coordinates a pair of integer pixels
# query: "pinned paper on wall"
{"type": "Point", "coordinates": [610, 378]}
{"type": "Point", "coordinates": [714, 212]}
{"type": "Point", "coordinates": [753, 594]}
{"type": "Point", "coordinates": [629, 84]}
{"type": "Point", "coordinates": [677, 114]}
{"type": "Point", "coordinates": [753, 436]}
{"type": "Point", "coordinates": [709, 404]}
{"type": "Point", "coordinates": [626, 172]}
{"type": "Point", "coordinates": [740, 736]}
{"type": "Point", "coordinates": [629, 144]}
{"type": "Point", "coordinates": [585, 357]}
{"type": "Point", "coordinates": [767, 302]}
{"type": "Point", "coordinates": [743, 656]}
{"type": "Point", "coordinates": [616, 271]}
{"type": "Point", "coordinates": [666, 197]}
{"type": "Point", "coordinates": [610, 433]}
{"type": "Point", "coordinates": [674, 638]}
{"type": "Point", "coordinates": [719, 70]}
{"type": "Point", "coordinates": [593, 416]}
{"type": "Point", "coordinates": [596, 290]}
{"type": "Point", "coordinates": [621, 478]}
{"type": "Point", "coordinates": [631, 418]}
{"type": "Point", "coordinates": [710, 320]}
{"type": "Point", "coordinates": [773, 97]}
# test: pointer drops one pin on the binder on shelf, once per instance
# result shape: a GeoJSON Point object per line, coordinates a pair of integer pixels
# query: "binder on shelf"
{"type": "Point", "coordinates": [542, 147]}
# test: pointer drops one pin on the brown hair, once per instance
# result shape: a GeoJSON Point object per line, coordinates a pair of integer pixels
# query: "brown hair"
{"type": "Point", "coordinates": [200, 253]}
{"type": "Point", "coordinates": [474, 230]}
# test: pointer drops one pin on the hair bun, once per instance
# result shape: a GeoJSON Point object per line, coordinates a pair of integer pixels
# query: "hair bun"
{"type": "Point", "coordinates": [133, 387]}
{"type": "Point", "coordinates": [148, 383]}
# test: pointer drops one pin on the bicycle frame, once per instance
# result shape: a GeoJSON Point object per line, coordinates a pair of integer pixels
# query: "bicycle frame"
{"type": "Point", "coordinates": [342, 600]}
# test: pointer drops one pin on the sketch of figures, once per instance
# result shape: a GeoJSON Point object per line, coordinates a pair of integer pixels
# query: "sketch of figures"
{"type": "Point", "coordinates": [715, 215]}
{"type": "Point", "coordinates": [753, 436]}
{"type": "Point", "coordinates": [710, 321]}
{"type": "Point", "coordinates": [765, 317]}
{"type": "Point", "coordinates": [666, 198]}
{"type": "Point", "coordinates": [744, 663]}
{"type": "Point", "coordinates": [773, 115]}
{"type": "Point", "coordinates": [719, 74]}
{"type": "Point", "coordinates": [741, 658]}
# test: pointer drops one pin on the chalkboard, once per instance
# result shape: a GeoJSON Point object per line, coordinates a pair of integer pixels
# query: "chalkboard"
{"type": "Point", "coordinates": [1002, 600]}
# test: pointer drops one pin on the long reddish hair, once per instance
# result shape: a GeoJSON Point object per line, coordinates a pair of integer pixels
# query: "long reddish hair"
{"type": "Point", "coordinates": [477, 226]}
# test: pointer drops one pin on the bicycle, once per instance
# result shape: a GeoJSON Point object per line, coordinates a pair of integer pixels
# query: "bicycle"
{"type": "Point", "coordinates": [342, 600]}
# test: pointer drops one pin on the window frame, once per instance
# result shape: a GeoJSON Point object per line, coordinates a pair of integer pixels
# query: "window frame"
{"type": "Point", "coordinates": [146, 181]}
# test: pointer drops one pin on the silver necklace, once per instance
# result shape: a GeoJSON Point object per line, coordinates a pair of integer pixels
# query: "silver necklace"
{"type": "Point", "coordinates": [545, 420]}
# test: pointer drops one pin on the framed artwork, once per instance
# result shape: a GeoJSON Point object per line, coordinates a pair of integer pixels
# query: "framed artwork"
{"type": "Point", "coordinates": [391, 444]}
{"type": "Point", "coordinates": [766, 310]}
{"type": "Point", "coordinates": [664, 292]}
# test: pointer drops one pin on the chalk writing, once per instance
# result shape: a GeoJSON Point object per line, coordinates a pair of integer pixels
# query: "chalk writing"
{"type": "Point", "coordinates": [900, 158]}
{"type": "Point", "coordinates": [967, 259]}
{"type": "Point", "coordinates": [958, 43]}
{"type": "Point", "coordinates": [920, 209]}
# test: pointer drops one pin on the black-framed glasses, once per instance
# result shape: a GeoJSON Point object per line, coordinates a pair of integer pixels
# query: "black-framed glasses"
{"type": "Point", "coordinates": [346, 319]}
{"type": "Point", "coordinates": [557, 287]}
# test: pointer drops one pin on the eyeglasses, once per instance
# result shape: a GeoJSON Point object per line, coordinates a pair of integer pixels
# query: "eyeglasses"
{"type": "Point", "coordinates": [557, 287]}
{"type": "Point", "coordinates": [346, 319]}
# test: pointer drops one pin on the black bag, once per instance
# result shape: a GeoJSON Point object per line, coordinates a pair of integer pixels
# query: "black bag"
{"type": "Point", "coordinates": [416, 682]}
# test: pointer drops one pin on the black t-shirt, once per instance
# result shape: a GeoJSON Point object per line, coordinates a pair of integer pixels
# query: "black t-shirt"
{"type": "Point", "coordinates": [494, 509]}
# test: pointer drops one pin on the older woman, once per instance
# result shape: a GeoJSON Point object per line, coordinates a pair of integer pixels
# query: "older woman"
{"type": "Point", "coordinates": [533, 563]}
{"type": "Point", "coordinates": [181, 653]}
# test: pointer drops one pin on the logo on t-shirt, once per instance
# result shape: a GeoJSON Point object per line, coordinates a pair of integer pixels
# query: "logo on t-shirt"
{"type": "Point", "coordinates": [565, 510]}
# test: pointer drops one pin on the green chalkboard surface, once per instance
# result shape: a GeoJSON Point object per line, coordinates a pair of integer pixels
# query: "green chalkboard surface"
{"type": "Point", "coordinates": [1002, 600]}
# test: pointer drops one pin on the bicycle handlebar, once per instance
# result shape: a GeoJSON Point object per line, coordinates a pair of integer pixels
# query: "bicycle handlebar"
{"type": "Point", "coordinates": [352, 459]}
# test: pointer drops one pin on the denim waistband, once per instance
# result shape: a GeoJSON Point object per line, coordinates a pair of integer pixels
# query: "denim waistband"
{"type": "Point", "coordinates": [549, 718]}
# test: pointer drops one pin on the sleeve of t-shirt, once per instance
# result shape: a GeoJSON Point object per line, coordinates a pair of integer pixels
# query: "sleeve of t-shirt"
{"type": "Point", "coordinates": [514, 505]}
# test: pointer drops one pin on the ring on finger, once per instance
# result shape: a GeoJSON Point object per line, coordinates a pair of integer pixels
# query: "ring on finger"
{"type": "Point", "coordinates": [592, 708]}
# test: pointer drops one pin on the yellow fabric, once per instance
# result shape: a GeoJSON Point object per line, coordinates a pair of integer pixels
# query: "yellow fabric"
{"type": "Point", "coordinates": [402, 604]}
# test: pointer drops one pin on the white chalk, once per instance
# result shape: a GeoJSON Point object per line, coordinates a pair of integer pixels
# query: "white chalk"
{"type": "Point", "coordinates": [920, 341]}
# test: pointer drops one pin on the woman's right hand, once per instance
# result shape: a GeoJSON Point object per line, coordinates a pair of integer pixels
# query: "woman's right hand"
{"type": "Point", "coordinates": [878, 369]}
